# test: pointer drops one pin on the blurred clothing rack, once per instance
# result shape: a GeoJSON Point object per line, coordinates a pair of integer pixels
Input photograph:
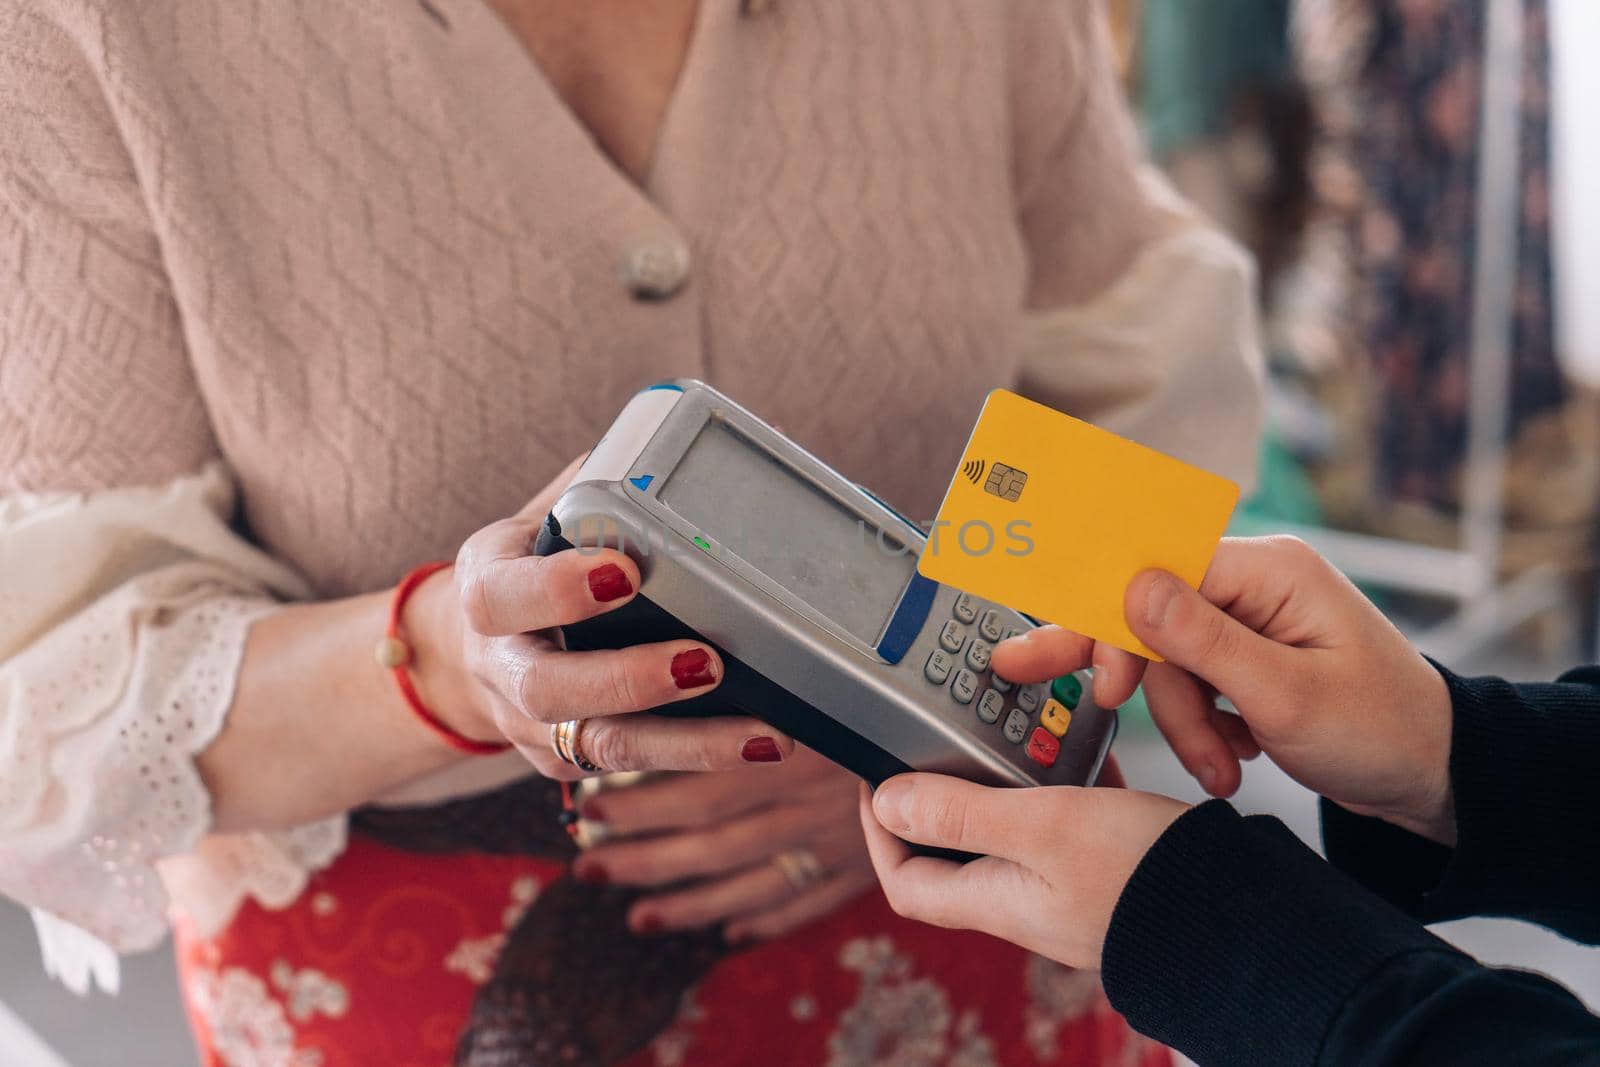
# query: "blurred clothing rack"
{"type": "Point", "coordinates": [1487, 608]}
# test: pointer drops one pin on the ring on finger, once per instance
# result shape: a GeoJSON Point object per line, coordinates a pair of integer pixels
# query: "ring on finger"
{"type": "Point", "coordinates": [800, 866]}
{"type": "Point", "coordinates": [565, 739]}
{"type": "Point", "coordinates": [590, 834]}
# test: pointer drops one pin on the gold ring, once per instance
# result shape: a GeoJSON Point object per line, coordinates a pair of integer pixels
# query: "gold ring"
{"type": "Point", "coordinates": [800, 866]}
{"type": "Point", "coordinates": [564, 739]}
{"type": "Point", "coordinates": [588, 833]}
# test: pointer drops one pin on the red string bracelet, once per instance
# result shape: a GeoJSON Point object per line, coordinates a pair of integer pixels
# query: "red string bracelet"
{"type": "Point", "coordinates": [569, 811]}
{"type": "Point", "coordinates": [394, 654]}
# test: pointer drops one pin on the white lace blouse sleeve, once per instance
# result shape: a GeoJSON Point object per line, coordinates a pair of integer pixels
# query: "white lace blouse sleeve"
{"type": "Point", "coordinates": [1169, 354]}
{"type": "Point", "coordinates": [122, 626]}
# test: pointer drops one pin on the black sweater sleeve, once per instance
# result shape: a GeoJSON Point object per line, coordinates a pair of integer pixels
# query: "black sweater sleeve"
{"type": "Point", "coordinates": [1525, 771]}
{"type": "Point", "coordinates": [1236, 944]}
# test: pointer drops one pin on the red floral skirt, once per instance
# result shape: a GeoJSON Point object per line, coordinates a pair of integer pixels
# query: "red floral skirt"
{"type": "Point", "coordinates": [379, 959]}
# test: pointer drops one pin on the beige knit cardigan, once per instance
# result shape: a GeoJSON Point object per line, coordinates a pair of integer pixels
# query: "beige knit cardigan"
{"type": "Point", "coordinates": [359, 256]}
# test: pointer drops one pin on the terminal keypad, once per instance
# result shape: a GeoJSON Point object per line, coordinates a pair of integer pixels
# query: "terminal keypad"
{"type": "Point", "coordinates": [1034, 717]}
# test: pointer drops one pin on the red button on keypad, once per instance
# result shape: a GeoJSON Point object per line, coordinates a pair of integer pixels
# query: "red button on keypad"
{"type": "Point", "coordinates": [1044, 747]}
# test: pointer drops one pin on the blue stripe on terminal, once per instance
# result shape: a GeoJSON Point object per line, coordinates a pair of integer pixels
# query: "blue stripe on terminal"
{"type": "Point", "coordinates": [669, 386]}
{"type": "Point", "coordinates": [908, 619]}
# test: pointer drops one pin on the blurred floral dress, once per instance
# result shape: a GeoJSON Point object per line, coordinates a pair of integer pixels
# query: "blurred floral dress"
{"type": "Point", "coordinates": [383, 931]}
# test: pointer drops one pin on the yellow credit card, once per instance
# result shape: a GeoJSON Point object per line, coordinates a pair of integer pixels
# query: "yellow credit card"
{"type": "Point", "coordinates": [1053, 517]}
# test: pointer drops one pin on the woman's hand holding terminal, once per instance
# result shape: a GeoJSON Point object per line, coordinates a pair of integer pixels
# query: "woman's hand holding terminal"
{"type": "Point", "coordinates": [500, 670]}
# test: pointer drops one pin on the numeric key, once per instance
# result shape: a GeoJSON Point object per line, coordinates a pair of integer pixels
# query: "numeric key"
{"type": "Point", "coordinates": [952, 636]}
{"type": "Point", "coordinates": [966, 608]}
{"type": "Point", "coordinates": [989, 706]}
{"type": "Point", "coordinates": [990, 627]}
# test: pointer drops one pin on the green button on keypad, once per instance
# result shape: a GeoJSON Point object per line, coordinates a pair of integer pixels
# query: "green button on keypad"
{"type": "Point", "coordinates": [1068, 690]}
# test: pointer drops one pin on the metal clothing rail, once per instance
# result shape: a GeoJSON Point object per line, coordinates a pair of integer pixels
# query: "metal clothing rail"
{"type": "Point", "coordinates": [1470, 574]}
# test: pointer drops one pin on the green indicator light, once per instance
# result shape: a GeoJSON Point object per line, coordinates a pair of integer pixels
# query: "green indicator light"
{"type": "Point", "coordinates": [701, 542]}
{"type": "Point", "coordinates": [1068, 690]}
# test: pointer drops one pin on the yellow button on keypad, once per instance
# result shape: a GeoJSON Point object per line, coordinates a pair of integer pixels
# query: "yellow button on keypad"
{"type": "Point", "coordinates": [1055, 718]}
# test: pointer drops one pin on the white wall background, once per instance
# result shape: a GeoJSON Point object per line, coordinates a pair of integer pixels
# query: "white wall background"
{"type": "Point", "coordinates": [1575, 38]}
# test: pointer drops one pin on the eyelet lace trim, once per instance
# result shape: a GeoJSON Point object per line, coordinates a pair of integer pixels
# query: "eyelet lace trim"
{"type": "Point", "coordinates": [104, 717]}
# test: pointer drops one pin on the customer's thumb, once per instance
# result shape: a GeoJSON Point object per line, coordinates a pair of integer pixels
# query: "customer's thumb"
{"type": "Point", "coordinates": [1189, 631]}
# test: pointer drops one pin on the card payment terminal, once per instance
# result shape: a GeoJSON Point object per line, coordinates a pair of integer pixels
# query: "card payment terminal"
{"type": "Point", "coordinates": [808, 587]}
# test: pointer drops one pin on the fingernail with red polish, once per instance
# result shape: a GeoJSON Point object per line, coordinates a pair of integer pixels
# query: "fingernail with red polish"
{"type": "Point", "coordinates": [647, 925]}
{"type": "Point", "coordinates": [761, 750]}
{"type": "Point", "coordinates": [591, 874]}
{"type": "Point", "coordinates": [609, 583]}
{"type": "Point", "coordinates": [691, 669]}
{"type": "Point", "coordinates": [592, 811]}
